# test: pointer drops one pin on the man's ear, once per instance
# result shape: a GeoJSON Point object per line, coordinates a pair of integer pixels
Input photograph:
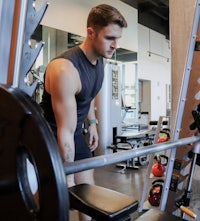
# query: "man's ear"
{"type": "Point", "coordinates": [90, 32]}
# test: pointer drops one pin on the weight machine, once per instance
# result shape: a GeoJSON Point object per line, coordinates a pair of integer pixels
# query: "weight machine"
{"type": "Point", "coordinates": [27, 122]}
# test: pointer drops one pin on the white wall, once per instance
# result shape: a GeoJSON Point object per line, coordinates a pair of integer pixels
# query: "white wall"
{"type": "Point", "coordinates": [154, 68]}
{"type": "Point", "coordinates": [71, 16]}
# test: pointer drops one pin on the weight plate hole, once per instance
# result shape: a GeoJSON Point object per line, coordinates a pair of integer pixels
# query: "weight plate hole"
{"type": "Point", "coordinates": [28, 180]}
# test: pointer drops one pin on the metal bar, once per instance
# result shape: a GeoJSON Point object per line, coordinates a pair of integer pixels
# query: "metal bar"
{"type": "Point", "coordinates": [189, 184]}
{"type": "Point", "coordinates": [6, 24]}
{"type": "Point", "coordinates": [95, 162]}
{"type": "Point", "coordinates": [165, 193]}
{"type": "Point", "coordinates": [192, 169]}
{"type": "Point", "coordinates": [20, 43]}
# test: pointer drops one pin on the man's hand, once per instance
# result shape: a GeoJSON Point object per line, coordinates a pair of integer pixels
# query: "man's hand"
{"type": "Point", "coordinates": [93, 137]}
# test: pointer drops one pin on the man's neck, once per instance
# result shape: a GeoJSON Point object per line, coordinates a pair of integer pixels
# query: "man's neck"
{"type": "Point", "coordinates": [87, 50]}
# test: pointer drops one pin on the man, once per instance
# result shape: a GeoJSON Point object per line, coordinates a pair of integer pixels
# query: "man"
{"type": "Point", "coordinates": [72, 81]}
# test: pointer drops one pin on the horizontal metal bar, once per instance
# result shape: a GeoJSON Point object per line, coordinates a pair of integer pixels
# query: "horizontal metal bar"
{"type": "Point", "coordinates": [100, 161]}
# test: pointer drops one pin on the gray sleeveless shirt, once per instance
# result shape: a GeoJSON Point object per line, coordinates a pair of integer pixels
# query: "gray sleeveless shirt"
{"type": "Point", "coordinates": [91, 77]}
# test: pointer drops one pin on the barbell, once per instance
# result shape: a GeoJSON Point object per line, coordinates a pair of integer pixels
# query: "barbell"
{"type": "Point", "coordinates": [27, 145]}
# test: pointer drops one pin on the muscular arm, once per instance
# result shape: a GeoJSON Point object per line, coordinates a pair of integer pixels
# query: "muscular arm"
{"type": "Point", "coordinates": [62, 82]}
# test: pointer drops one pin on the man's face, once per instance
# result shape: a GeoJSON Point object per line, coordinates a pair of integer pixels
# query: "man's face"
{"type": "Point", "coordinates": [105, 40]}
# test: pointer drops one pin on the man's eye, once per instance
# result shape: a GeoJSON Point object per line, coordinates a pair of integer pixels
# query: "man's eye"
{"type": "Point", "coordinates": [110, 38]}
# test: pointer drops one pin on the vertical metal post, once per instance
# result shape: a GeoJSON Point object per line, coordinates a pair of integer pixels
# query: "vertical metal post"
{"type": "Point", "coordinates": [167, 180]}
{"type": "Point", "coordinates": [6, 24]}
{"type": "Point", "coordinates": [20, 41]}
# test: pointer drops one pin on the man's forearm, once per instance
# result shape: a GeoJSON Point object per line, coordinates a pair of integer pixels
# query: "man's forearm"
{"type": "Point", "coordinates": [66, 146]}
{"type": "Point", "coordinates": [91, 113]}
{"type": "Point", "coordinates": [68, 153]}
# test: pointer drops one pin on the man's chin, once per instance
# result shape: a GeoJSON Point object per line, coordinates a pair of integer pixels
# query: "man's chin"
{"type": "Point", "coordinates": [108, 55]}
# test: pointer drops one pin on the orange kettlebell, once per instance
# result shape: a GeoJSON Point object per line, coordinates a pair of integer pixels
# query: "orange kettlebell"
{"type": "Point", "coordinates": [158, 168]}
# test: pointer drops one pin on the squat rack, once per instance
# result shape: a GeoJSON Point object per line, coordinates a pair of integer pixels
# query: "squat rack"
{"type": "Point", "coordinates": [188, 80]}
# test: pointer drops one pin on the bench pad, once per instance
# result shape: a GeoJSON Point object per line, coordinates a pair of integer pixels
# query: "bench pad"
{"type": "Point", "coordinates": [101, 203]}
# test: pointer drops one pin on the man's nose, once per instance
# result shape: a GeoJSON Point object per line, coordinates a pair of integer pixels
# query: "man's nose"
{"type": "Point", "coordinates": [114, 44]}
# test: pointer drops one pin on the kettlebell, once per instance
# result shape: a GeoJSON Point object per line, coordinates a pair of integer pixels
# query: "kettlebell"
{"type": "Point", "coordinates": [164, 135]}
{"type": "Point", "coordinates": [158, 168]}
{"type": "Point", "coordinates": [155, 192]}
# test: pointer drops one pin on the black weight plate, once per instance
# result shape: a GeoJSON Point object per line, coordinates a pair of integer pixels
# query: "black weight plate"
{"type": "Point", "coordinates": [25, 135]}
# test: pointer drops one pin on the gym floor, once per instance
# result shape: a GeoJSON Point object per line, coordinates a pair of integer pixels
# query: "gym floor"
{"type": "Point", "coordinates": [131, 181]}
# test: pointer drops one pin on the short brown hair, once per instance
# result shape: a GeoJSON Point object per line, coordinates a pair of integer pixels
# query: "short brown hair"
{"type": "Point", "coordinates": [103, 15]}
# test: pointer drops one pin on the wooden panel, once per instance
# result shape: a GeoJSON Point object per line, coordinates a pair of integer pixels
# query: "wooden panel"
{"type": "Point", "coordinates": [182, 21]}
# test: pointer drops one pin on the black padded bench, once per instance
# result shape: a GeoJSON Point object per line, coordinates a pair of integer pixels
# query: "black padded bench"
{"type": "Point", "coordinates": [157, 215]}
{"type": "Point", "coordinates": [100, 203]}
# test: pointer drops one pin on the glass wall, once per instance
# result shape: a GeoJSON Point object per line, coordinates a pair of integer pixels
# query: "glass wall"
{"type": "Point", "coordinates": [129, 93]}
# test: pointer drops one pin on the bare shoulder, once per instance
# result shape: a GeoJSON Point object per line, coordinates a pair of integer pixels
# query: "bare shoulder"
{"type": "Point", "coordinates": [61, 72]}
{"type": "Point", "coordinates": [60, 68]}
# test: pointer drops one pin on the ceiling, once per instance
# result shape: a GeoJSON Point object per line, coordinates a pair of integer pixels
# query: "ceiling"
{"type": "Point", "coordinates": [153, 14]}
